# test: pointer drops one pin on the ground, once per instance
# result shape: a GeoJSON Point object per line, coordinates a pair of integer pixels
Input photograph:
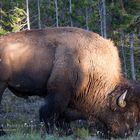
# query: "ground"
{"type": "Point", "coordinates": [20, 120]}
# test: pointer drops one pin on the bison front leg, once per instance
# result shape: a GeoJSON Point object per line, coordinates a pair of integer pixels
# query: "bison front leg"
{"type": "Point", "coordinates": [58, 92]}
{"type": "Point", "coordinates": [47, 114]}
{"type": "Point", "coordinates": [57, 99]}
{"type": "Point", "coordinates": [54, 106]}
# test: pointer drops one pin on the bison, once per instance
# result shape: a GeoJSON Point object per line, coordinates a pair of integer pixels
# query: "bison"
{"type": "Point", "coordinates": [78, 73]}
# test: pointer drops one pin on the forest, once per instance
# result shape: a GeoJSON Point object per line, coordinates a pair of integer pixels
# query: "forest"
{"type": "Point", "coordinates": [118, 20]}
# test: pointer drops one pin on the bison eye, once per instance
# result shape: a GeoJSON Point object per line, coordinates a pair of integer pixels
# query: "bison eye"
{"type": "Point", "coordinates": [121, 100]}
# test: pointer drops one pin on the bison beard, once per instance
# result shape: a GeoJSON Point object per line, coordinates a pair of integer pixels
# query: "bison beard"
{"type": "Point", "coordinates": [79, 74]}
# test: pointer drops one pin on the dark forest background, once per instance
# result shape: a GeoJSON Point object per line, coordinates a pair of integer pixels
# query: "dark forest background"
{"type": "Point", "coordinates": [118, 20]}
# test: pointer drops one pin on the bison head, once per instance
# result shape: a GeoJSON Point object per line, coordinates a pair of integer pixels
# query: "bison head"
{"type": "Point", "coordinates": [122, 112]}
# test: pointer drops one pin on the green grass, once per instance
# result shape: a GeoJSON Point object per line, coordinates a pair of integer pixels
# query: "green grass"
{"type": "Point", "coordinates": [33, 137]}
{"type": "Point", "coordinates": [82, 133]}
{"type": "Point", "coordinates": [20, 121]}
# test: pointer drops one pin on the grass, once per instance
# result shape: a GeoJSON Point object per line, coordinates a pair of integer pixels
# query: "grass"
{"type": "Point", "coordinates": [21, 136]}
{"type": "Point", "coordinates": [25, 133]}
{"type": "Point", "coordinates": [31, 132]}
{"type": "Point", "coordinates": [28, 131]}
{"type": "Point", "coordinates": [33, 136]}
{"type": "Point", "coordinates": [20, 121]}
{"type": "Point", "coordinates": [82, 133]}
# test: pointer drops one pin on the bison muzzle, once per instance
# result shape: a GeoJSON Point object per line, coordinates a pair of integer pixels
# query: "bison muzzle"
{"type": "Point", "coordinates": [77, 71]}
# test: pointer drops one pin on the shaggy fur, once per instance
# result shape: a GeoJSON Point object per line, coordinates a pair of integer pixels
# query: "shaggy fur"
{"type": "Point", "coordinates": [74, 69]}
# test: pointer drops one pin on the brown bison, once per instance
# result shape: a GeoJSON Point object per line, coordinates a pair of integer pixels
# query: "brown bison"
{"type": "Point", "coordinates": [77, 71]}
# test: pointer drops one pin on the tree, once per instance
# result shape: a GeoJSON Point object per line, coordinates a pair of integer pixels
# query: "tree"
{"type": "Point", "coordinates": [123, 53]}
{"type": "Point", "coordinates": [39, 20]}
{"type": "Point", "coordinates": [28, 16]}
{"type": "Point", "coordinates": [102, 13]}
{"type": "Point", "coordinates": [104, 18]}
{"type": "Point", "coordinates": [87, 19]}
{"type": "Point", "coordinates": [133, 74]}
{"type": "Point", "coordinates": [110, 18]}
{"type": "Point", "coordinates": [11, 19]}
{"type": "Point", "coordinates": [70, 12]}
{"type": "Point", "coordinates": [56, 12]}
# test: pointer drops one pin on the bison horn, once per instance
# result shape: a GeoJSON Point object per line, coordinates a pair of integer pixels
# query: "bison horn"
{"type": "Point", "coordinates": [121, 100]}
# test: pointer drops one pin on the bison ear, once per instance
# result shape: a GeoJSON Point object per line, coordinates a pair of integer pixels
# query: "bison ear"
{"type": "Point", "coordinates": [121, 100]}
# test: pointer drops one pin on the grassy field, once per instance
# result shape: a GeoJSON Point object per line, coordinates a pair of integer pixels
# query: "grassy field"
{"type": "Point", "coordinates": [33, 137]}
{"type": "Point", "coordinates": [20, 120]}
{"type": "Point", "coordinates": [48, 137]}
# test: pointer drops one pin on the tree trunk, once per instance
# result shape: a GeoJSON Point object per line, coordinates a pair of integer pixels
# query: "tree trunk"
{"type": "Point", "coordinates": [122, 5]}
{"type": "Point", "coordinates": [87, 18]}
{"type": "Point", "coordinates": [39, 20]}
{"type": "Point", "coordinates": [104, 18]}
{"type": "Point", "coordinates": [56, 12]}
{"type": "Point", "coordinates": [70, 11]}
{"type": "Point", "coordinates": [101, 18]}
{"type": "Point", "coordinates": [123, 54]}
{"type": "Point", "coordinates": [102, 13]}
{"type": "Point", "coordinates": [1, 10]}
{"type": "Point", "coordinates": [27, 12]}
{"type": "Point", "coordinates": [132, 56]}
